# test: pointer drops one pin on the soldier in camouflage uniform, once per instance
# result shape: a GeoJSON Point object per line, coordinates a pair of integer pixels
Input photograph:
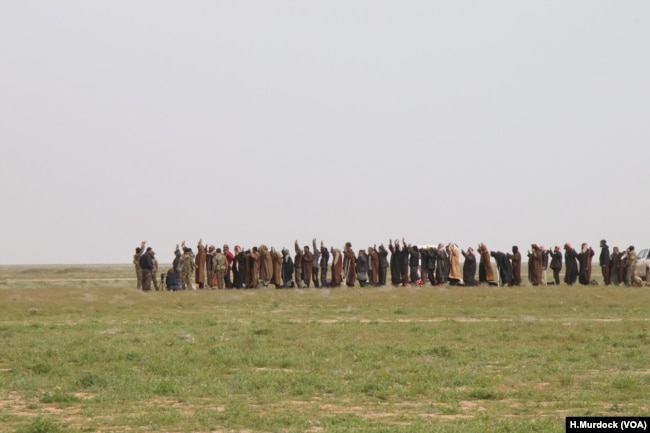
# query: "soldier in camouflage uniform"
{"type": "Point", "coordinates": [136, 262]}
{"type": "Point", "coordinates": [187, 269]}
{"type": "Point", "coordinates": [220, 266]}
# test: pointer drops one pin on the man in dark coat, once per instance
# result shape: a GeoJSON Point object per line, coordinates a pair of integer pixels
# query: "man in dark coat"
{"type": "Point", "coordinates": [469, 267]}
{"type": "Point", "coordinates": [395, 260]}
{"type": "Point", "coordinates": [505, 267]}
{"type": "Point", "coordinates": [287, 269]}
{"type": "Point", "coordinates": [556, 264]}
{"type": "Point", "coordinates": [570, 264]}
{"type": "Point", "coordinates": [604, 261]}
{"type": "Point", "coordinates": [414, 263]}
{"type": "Point", "coordinates": [584, 261]}
{"type": "Point", "coordinates": [515, 259]}
{"type": "Point", "coordinates": [535, 265]}
{"type": "Point", "coordinates": [442, 264]}
{"type": "Point", "coordinates": [383, 264]}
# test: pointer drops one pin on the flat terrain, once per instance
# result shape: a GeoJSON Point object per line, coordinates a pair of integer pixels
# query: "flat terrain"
{"type": "Point", "coordinates": [82, 351]}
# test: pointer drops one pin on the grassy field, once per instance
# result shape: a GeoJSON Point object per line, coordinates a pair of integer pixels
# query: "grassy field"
{"type": "Point", "coordinates": [82, 351]}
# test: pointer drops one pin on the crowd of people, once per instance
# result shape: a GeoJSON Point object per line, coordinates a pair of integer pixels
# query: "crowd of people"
{"type": "Point", "coordinates": [404, 264]}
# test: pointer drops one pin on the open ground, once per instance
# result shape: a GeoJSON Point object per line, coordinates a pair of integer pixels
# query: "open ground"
{"type": "Point", "coordinates": [82, 351]}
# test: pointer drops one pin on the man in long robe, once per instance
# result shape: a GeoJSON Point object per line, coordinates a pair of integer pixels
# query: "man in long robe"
{"type": "Point", "coordinates": [570, 264]}
{"type": "Point", "coordinates": [414, 263]}
{"type": "Point", "coordinates": [469, 267]}
{"type": "Point", "coordinates": [315, 263]}
{"type": "Point", "coordinates": [200, 261]}
{"type": "Point", "coordinates": [307, 266]}
{"type": "Point", "coordinates": [276, 264]}
{"type": "Point", "coordinates": [287, 269]}
{"type": "Point", "coordinates": [535, 265]}
{"type": "Point", "coordinates": [337, 267]}
{"type": "Point", "coordinates": [349, 265]}
{"type": "Point", "coordinates": [395, 259]}
{"type": "Point", "coordinates": [442, 264]}
{"type": "Point", "coordinates": [515, 260]}
{"type": "Point", "coordinates": [383, 264]}
{"type": "Point", "coordinates": [454, 264]}
{"type": "Point", "coordinates": [373, 266]}
{"type": "Point", "coordinates": [485, 271]}
{"type": "Point", "coordinates": [239, 268]}
{"type": "Point", "coordinates": [584, 264]}
{"type": "Point", "coordinates": [505, 267]}
{"type": "Point", "coordinates": [266, 265]}
{"type": "Point", "coordinates": [255, 274]}
{"type": "Point", "coordinates": [297, 266]}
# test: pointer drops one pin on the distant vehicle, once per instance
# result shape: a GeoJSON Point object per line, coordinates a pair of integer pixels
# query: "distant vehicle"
{"type": "Point", "coordinates": [643, 264]}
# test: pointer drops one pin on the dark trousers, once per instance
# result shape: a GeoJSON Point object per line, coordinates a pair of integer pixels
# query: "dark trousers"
{"type": "Point", "coordinates": [605, 269]}
{"type": "Point", "coordinates": [227, 279]}
{"type": "Point", "coordinates": [314, 276]}
{"type": "Point", "coordinates": [323, 276]}
{"type": "Point", "coordinates": [556, 276]}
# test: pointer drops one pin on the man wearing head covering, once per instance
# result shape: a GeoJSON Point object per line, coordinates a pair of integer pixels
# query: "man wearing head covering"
{"type": "Point", "coordinates": [630, 258]}
{"type": "Point", "coordinates": [200, 261]}
{"type": "Point", "coordinates": [485, 271]}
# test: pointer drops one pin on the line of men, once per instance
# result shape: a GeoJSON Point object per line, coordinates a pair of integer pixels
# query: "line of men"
{"type": "Point", "coordinates": [408, 264]}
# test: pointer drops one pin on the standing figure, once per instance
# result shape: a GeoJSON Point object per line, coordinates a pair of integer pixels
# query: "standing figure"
{"type": "Point", "coordinates": [349, 265]}
{"type": "Point", "coordinates": [414, 263]}
{"type": "Point", "coordinates": [629, 258]}
{"type": "Point", "coordinates": [200, 260]}
{"type": "Point", "coordinates": [266, 265]}
{"type": "Point", "coordinates": [297, 266]}
{"type": "Point", "coordinates": [287, 269]}
{"type": "Point", "coordinates": [230, 258]}
{"type": "Point", "coordinates": [616, 267]}
{"type": "Point", "coordinates": [324, 263]}
{"type": "Point", "coordinates": [219, 266]}
{"type": "Point", "coordinates": [383, 264]}
{"type": "Point", "coordinates": [442, 264]}
{"type": "Point", "coordinates": [136, 263]}
{"type": "Point", "coordinates": [211, 275]}
{"type": "Point", "coordinates": [187, 269]}
{"type": "Point", "coordinates": [255, 261]}
{"type": "Point", "coordinates": [584, 262]}
{"type": "Point", "coordinates": [307, 265]}
{"type": "Point", "coordinates": [238, 268]}
{"type": "Point", "coordinates": [469, 267]}
{"type": "Point", "coordinates": [535, 265]}
{"type": "Point", "coordinates": [395, 258]}
{"type": "Point", "coordinates": [454, 264]}
{"type": "Point", "coordinates": [604, 261]}
{"type": "Point", "coordinates": [556, 264]}
{"type": "Point", "coordinates": [362, 268]}
{"type": "Point", "coordinates": [314, 263]}
{"type": "Point", "coordinates": [570, 264]}
{"type": "Point", "coordinates": [276, 263]}
{"type": "Point", "coordinates": [504, 266]}
{"type": "Point", "coordinates": [337, 267]}
{"type": "Point", "coordinates": [485, 272]}
{"type": "Point", "coordinates": [515, 259]}
{"type": "Point", "coordinates": [373, 266]}
{"type": "Point", "coordinates": [146, 264]}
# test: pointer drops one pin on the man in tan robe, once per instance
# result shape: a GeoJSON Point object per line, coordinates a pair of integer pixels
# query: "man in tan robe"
{"type": "Point", "coordinates": [485, 272]}
{"type": "Point", "coordinates": [199, 261]}
{"type": "Point", "coordinates": [266, 265]}
{"type": "Point", "coordinates": [337, 267]}
{"type": "Point", "coordinates": [535, 265]}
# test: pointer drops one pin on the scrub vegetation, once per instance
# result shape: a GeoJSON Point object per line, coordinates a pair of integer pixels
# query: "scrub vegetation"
{"type": "Point", "coordinates": [82, 351]}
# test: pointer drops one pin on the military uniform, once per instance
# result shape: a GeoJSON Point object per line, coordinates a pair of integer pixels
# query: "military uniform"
{"type": "Point", "coordinates": [187, 269]}
{"type": "Point", "coordinates": [220, 266]}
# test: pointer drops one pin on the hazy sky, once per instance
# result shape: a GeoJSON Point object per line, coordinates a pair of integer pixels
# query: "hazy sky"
{"type": "Point", "coordinates": [249, 122]}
